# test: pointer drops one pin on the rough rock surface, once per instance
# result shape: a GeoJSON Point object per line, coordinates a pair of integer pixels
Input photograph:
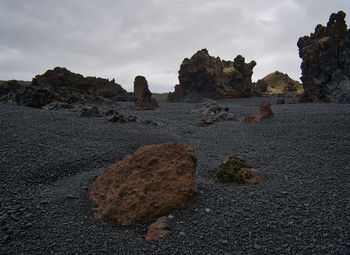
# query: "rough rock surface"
{"type": "Point", "coordinates": [204, 76]}
{"type": "Point", "coordinates": [326, 62]}
{"type": "Point", "coordinates": [158, 230]}
{"type": "Point", "coordinates": [265, 111]}
{"type": "Point", "coordinates": [235, 169]}
{"type": "Point", "coordinates": [212, 112]}
{"type": "Point", "coordinates": [276, 83]}
{"type": "Point", "coordinates": [8, 86]}
{"type": "Point", "coordinates": [154, 181]}
{"type": "Point", "coordinates": [142, 95]}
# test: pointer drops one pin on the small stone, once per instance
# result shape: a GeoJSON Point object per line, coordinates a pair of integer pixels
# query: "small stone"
{"type": "Point", "coordinates": [70, 196]}
{"type": "Point", "coordinates": [170, 216]}
{"type": "Point", "coordinates": [207, 210]}
{"type": "Point", "coordinates": [224, 241]}
{"type": "Point", "coordinates": [182, 234]}
{"type": "Point", "coordinates": [257, 247]}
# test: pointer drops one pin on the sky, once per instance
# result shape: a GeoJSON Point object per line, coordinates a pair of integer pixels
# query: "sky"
{"type": "Point", "coordinates": [124, 38]}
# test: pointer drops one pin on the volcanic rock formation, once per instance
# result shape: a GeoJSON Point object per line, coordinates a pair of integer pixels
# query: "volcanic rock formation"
{"type": "Point", "coordinates": [142, 95]}
{"type": "Point", "coordinates": [61, 85]}
{"type": "Point", "coordinates": [326, 62]}
{"type": "Point", "coordinates": [153, 181]}
{"type": "Point", "coordinates": [204, 76]}
{"type": "Point", "coordinates": [277, 83]}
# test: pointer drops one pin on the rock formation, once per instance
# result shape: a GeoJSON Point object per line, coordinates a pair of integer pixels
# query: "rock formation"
{"type": "Point", "coordinates": [61, 85]}
{"type": "Point", "coordinates": [235, 169]}
{"type": "Point", "coordinates": [72, 87]}
{"type": "Point", "coordinates": [326, 62]}
{"type": "Point", "coordinates": [277, 83]}
{"type": "Point", "coordinates": [154, 181]}
{"type": "Point", "coordinates": [265, 111]}
{"type": "Point", "coordinates": [158, 230]}
{"type": "Point", "coordinates": [204, 76]}
{"type": "Point", "coordinates": [142, 95]}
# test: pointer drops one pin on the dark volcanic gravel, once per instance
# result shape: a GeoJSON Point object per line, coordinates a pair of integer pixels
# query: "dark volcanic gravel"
{"type": "Point", "coordinates": [49, 159]}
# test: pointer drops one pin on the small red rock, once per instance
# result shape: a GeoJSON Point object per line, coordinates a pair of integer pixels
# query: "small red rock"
{"type": "Point", "coordinates": [265, 112]}
{"type": "Point", "coordinates": [158, 230]}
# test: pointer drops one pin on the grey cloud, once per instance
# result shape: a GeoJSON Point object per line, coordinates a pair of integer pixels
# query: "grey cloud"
{"type": "Point", "coordinates": [121, 39]}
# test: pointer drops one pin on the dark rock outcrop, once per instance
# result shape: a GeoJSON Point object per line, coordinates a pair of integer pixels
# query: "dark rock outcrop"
{"type": "Point", "coordinates": [276, 83]}
{"type": "Point", "coordinates": [326, 62]}
{"type": "Point", "coordinates": [8, 86]}
{"type": "Point", "coordinates": [204, 76]}
{"type": "Point", "coordinates": [72, 87]}
{"type": "Point", "coordinates": [152, 182]}
{"type": "Point", "coordinates": [142, 95]}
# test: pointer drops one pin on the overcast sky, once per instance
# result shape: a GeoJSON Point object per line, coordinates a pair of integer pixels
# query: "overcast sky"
{"type": "Point", "coordinates": [121, 39]}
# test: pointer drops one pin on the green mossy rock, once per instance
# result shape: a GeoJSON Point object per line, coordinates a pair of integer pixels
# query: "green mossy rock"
{"type": "Point", "coordinates": [229, 170]}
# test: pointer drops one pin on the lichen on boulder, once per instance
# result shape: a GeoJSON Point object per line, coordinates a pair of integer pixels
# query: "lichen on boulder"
{"type": "Point", "coordinates": [236, 169]}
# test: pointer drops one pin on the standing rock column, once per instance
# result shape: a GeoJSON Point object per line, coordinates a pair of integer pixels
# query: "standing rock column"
{"type": "Point", "coordinates": [143, 96]}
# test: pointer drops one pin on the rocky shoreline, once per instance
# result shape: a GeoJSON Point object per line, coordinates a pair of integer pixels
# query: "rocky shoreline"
{"type": "Point", "coordinates": [49, 159]}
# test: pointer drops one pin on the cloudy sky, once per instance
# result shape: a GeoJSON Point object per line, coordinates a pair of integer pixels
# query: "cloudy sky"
{"type": "Point", "coordinates": [124, 38]}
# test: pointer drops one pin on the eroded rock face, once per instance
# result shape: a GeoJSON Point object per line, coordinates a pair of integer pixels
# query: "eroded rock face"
{"type": "Point", "coordinates": [153, 181]}
{"type": "Point", "coordinates": [276, 83]}
{"type": "Point", "coordinates": [265, 111]}
{"type": "Point", "coordinates": [326, 62]}
{"type": "Point", "coordinates": [142, 95]}
{"type": "Point", "coordinates": [204, 76]}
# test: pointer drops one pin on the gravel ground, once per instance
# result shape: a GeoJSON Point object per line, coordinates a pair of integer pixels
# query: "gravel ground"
{"type": "Point", "coordinates": [49, 159]}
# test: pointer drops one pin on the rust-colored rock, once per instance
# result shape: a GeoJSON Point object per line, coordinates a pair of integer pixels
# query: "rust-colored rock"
{"type": "Point", "coordinates": [152, 182]}
{"type": "Point", "coordinates": [158, 230]}
{"type": "Point", "coordinates": [265, 111]}
{"type": "Point", "coordinates": [143, 97]}
{"type": "Point", "coordinates": [204, 76]}
{"type": "Point", "coordinates": [251, 175]}
{"type": "Point", "coordinates": [326, 61]}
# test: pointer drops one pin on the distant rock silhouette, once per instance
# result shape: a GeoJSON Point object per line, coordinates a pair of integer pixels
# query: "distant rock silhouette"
{"type": "Point", "coordinates": [142, 95]}
{"type": "Point", "coordinates": [203, 76]}
{"type": "Point", "coordinates": [62, 85]}
{"type": "Point", "coordinates": [277, 83]}
{"type": "Point", "coordinates": [326, 62]}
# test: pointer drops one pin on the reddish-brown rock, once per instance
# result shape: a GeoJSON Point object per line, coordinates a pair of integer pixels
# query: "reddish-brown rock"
{"type": "Point", "coordinates": [143, 96]}
{"type": "Point", "coordinates": [158, 230]}
{"type": "Point", "coordinates": [265, 111]}
{"type": "Point", "coordinates": [154, 181]}
{"type": "Point", "coordinates": [251, 175]}
{"type": "Point", "coordinates": [204, 76]}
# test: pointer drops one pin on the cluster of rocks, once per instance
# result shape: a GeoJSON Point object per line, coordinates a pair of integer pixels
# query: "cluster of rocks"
{"type": "Point", "coordinates": [265, 111]}
{"type": "Point", "coordinates": [326, 62]}
{"type": "Point", "coordinates": [212, 112]}
{"type": "Point", "coordinates": [62, 85]}
{"type": "Point", "coordinates": [277, 83]}
{"type": "Point", "coordinates": [204, 76]}
{"type": "Point", "coordinates": [112, 114]}
{"type": "Point", "coordinates": [156, 180]}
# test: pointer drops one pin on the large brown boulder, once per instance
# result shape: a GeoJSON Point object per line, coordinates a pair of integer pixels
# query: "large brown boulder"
{"type": "Point", "coordinates": [326, 62]}
{"type": "Point", "coordinates": [265, 111]}
{"type": "Point", "coordinates": [276, 83]}
{"type": "Point", "coordinates": [152, 182]}
{"type": "Point", "coordinates": [204, 76]}
{"type": "Point", "coordinates": [142, 95]}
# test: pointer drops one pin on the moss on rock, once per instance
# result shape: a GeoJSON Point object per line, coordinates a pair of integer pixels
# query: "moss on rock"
{"type": "Point", "coordinates": [230, 170]}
